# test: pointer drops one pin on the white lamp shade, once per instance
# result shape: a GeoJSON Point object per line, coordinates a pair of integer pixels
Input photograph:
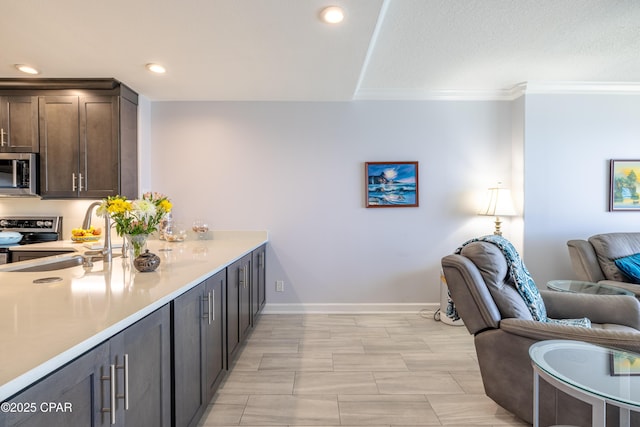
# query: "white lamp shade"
{"type": "Point", "coordinates": [498, 202]}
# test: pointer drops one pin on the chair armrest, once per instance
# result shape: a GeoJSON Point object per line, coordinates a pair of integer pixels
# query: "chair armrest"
{"type": "Point", "coordinates": [616, 309]}
{"type": "Point", "coordinates": [624, 285]}
{"type": "Point", "coordinates": [539, 331]}
{"type": "Point", "coordinates": [585, 261]}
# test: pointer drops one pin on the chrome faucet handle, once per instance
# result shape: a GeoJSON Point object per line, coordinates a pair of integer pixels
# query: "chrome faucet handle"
{"type": "Point", "coordinates": [106, 251]}
{"type": "Point", "coordinates": [89, 256]}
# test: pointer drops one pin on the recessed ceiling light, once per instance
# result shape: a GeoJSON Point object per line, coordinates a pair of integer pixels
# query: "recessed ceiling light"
{"type": "Point", "coordinates": [156, 68]}
{"type": "Point", "coordinates": [332, 14]}
{"type": "Point", "coordinates": [27, 69]}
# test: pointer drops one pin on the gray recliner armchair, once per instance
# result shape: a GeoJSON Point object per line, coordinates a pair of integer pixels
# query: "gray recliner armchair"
{"type": "Point", "coordinates": [593, 260]}
{"type": "Point", "coordinates": [503, 328]}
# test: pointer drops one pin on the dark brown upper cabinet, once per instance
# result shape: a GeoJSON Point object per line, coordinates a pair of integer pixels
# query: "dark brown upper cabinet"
{"type": "Point", "coordinates": [86, 133]}
{"type": "Point", "coordinates": [19, 124]}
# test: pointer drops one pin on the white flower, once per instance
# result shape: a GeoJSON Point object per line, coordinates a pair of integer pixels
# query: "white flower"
{"type": "Point", "coordinates": [103, 210]}
{"type": "Point", "coordinates": [144, 208]}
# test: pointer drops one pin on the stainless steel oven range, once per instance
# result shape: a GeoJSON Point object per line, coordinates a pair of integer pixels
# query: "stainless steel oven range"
{"type": "Point", "coordinates": [34, 229]}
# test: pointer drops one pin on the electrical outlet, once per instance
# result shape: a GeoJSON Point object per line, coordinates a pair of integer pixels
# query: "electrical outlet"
{"type": "Point", "coordinates": [279, 285]}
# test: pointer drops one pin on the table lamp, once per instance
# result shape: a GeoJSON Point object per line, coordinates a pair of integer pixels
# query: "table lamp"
{"type": "Point", "coordinates": [498, 203]}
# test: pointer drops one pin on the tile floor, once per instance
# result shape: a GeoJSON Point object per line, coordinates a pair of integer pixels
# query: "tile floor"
{"type": "Point", "coordinates": [355, 370]}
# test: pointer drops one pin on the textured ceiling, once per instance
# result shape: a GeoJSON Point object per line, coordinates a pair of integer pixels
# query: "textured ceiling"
{"type": "Point", "coordinates": [279, 50]}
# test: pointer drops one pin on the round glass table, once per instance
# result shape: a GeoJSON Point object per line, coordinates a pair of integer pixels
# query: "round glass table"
{"type": "Point", "coordinates": [594, 374]}
{"type": "Point", "coordinates": [580, 287]}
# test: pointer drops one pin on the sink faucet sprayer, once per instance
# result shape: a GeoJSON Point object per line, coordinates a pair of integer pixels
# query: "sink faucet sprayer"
{"type": "Point", "coordinates": [106, 251]}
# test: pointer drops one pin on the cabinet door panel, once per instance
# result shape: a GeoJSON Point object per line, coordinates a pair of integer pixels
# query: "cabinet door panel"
{"type": "Point", "coordinates": [215, 348]}
{"type": "Point", "coordinates": [233, 299]}
{"type": "Point", "coordinates": [19, 124]}
{"type": "Point", "coordinates": [59, 137]}
{"type": "Point", "coordinates": [258, 289]}
{"type": "Point", "coordinates": [245, 297]}
{"type": "Point", "coordinates": [76, 386]}
{"type": "Point", "coordinates": [238, 302]}
{"type": "Point", "coordinates": [99, 146]}
{"type": "Point", "coordinates": [188, 364]}
{"type": "Point", "coordinates": [147, 344]}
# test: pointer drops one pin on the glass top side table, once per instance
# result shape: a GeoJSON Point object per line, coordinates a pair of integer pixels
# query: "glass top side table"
{"type": "Point", "coordinates": [580, 287]}
{"type": "Point", "coordinates": [594, 374]}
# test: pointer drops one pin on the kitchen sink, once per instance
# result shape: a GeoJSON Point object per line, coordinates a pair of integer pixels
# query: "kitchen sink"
{"type": "Point", "coordinates": [50, 263]}
{"type": "Point", "coordinates": [44, 264]}
{"type": "Point", "coordinates": [53, 265]}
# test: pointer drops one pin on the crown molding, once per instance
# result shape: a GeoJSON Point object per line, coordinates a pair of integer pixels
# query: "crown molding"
{"type": "Point", "coordinates": [431, 95]}
{"type": "Point", "coordinates": [516, 91]}
{"type": "Point", "coordinates": [551, 87]}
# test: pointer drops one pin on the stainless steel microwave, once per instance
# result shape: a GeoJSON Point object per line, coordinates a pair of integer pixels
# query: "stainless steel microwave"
{"type": "Point", "coordinates": [18, 174]}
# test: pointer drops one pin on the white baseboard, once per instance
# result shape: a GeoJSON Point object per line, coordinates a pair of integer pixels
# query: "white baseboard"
{"type": "Point", "coordinates": [345, 308]}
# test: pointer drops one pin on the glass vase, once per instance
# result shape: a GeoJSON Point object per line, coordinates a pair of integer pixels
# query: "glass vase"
{"type": "Point", "coordinates": [136, 243]}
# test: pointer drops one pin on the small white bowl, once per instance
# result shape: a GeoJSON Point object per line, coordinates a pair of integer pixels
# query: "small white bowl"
{"type": "Point", "coordinates": [9, 237]}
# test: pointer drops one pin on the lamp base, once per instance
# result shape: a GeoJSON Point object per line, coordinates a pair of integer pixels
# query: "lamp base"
{"type": "Point", "coordinates": [497, 231]}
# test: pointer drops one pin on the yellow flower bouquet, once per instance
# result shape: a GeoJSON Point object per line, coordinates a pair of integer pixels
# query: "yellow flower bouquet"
{"type": "Point", "coordinates": [141, 216]}
{"type": "Point", "coordinates": [136, 219]}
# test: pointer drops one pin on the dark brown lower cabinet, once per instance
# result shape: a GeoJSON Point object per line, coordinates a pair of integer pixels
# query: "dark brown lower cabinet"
{"type": "Point", "coordinates": [258, 276]}
{"type": "Point", "coordinates": [165, 368]}
{"type": "Point", "coordinates": [215, 334]}
{"type": "Point", "coordinates": [238, 303]}
{"type": "Point", "coordinates": [142, 352]}
{"type": "Point", "coordinates": [135, 362]}
{"type": "Point", "coordinates": [77, 384]}
{"type": "Point", "coordinates": [199, 348]}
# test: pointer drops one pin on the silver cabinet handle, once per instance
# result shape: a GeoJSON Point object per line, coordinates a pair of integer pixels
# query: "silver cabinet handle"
{"type": "Point", "coordinates": [207, 315]}
{"type": "Point", "coordinates": [80, 181]}
{"type": "Point", "coordinates": [73, 182]}
{"type": "Point", "coordinates": [112, 392]}
{"type": "Point", "coordinates": [213, 306]}
{"type": "Point", "coordinates": [125, 368]}
{"type": "Point", "coordinates": [3, 142]}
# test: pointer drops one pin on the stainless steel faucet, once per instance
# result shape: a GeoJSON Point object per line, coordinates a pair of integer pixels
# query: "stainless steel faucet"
{"type": "Point", "coordinates": [106, 250]}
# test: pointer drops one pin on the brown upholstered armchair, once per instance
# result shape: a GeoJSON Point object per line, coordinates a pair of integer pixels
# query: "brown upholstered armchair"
{"type": "Point", "coordinates": [593, 259]}
{"type": "Point", "coordinates": [503, 329]}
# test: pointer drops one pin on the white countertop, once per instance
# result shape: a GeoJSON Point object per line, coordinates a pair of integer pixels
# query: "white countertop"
{"type": "Point", "coordinates": [44, 326]}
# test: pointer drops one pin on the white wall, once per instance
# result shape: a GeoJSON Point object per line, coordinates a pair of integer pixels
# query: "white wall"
{"type": "Point", "coordinates": [297, 169]}
{"type": "Point", "coordinates": [569, 140]}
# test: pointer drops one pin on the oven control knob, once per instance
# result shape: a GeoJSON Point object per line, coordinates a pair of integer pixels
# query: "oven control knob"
{"type": "Point", "coordinates": [39, 223]}
{"type": "Point", "coordinates": [3, 222]}
{"type": "Point", "coordinates": [48, 223]}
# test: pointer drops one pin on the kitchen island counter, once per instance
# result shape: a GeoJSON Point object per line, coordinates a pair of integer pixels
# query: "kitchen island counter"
{"type": "Point", "coordinates": [44, 326]}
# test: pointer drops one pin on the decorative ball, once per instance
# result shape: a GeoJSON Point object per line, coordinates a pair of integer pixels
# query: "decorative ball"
{"type": "Point", "coordinates": [146, 262]}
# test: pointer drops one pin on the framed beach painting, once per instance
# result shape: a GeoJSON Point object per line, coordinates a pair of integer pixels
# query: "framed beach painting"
{"type": "Point", "coordinates": [391, 184]}
{"type": "Point", "coordinates": [624, 363]}
{"type": "Point", "coordinates": [623, 193]}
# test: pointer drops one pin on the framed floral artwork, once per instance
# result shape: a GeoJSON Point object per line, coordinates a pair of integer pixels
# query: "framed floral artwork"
{"type": "Point", "coordinates": [624, 185]}
{"type": "Point", "coordinates": [391, 184]}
